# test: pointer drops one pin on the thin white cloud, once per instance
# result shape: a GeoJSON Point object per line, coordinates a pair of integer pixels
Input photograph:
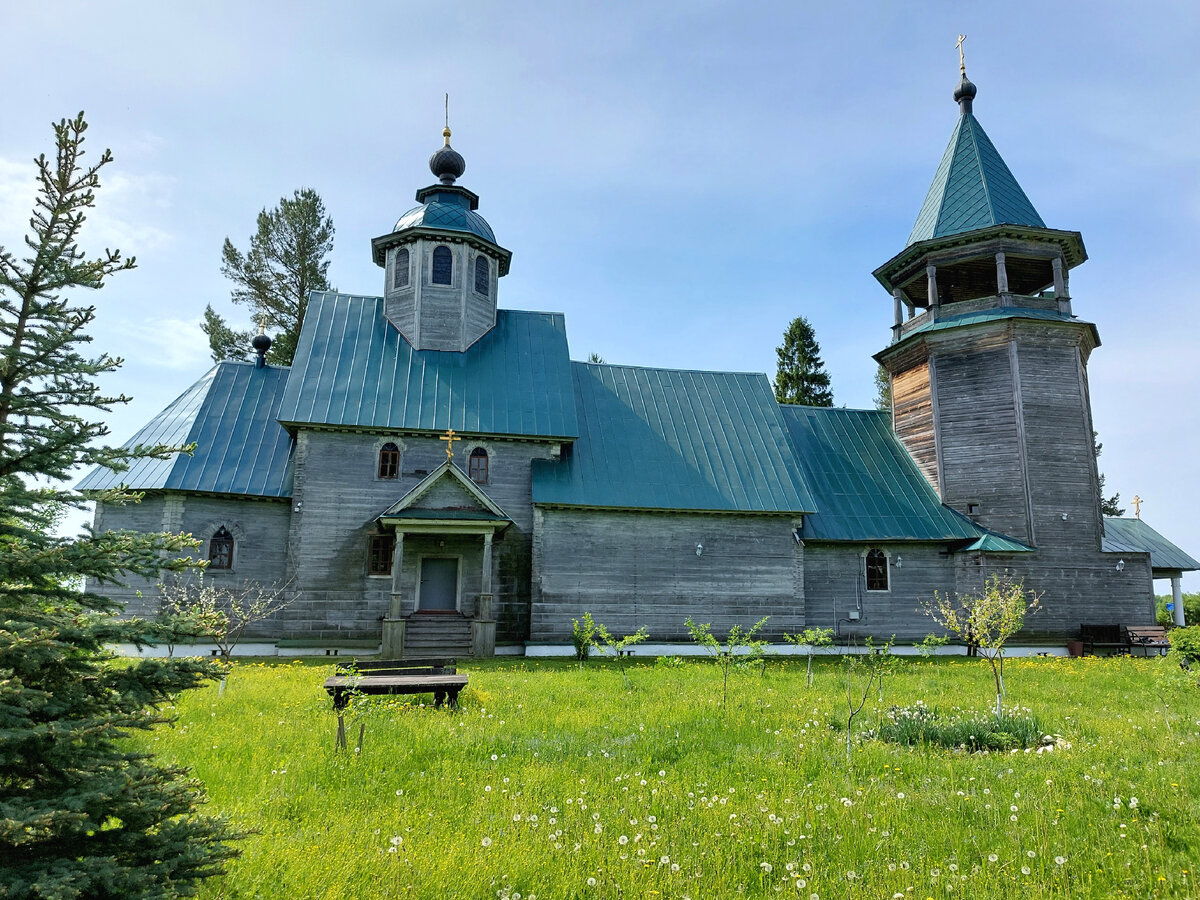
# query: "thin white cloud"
{"type": "Point", "coordinates": [179, 344]}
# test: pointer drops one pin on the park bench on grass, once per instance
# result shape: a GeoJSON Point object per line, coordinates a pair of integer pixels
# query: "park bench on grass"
{"type": "Point", "coordinates": [1103, 637]}
{"type": "Point", "coordinates": [1149, 639]}
{"type": "Point", "coordinates": [396, 676]}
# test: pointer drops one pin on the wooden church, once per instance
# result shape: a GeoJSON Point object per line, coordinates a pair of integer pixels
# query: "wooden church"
{"type": "Point", "coordinates": [435, 474]}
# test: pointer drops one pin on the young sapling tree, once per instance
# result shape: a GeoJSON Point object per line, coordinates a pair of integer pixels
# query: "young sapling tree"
{"type": "Point", "coordinates": [583, 636]}
{"type": "Point", "coordinates": [811, 639]}
{"type": "Point", "coordinates": [740, 647]}
{"type": "Point", "coordinates": [618, 646]}
{"type": "Point", "coordinates": [873, 664]}
{"type": "Point", "coordinates": [223, 613]}
{"type": "Point", "coordinates": [988, 618]}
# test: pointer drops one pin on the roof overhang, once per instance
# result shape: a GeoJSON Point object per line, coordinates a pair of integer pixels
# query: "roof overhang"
{"type": "Point", "coordinates": [911, 261]}
{"type": "Point", "coordinates": [407, 513]}
{"type": "Point", "coordinates": [381, 244]}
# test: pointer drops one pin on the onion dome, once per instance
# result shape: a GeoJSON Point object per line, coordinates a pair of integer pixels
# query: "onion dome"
{"type": "Point", "coordinates": [964, 94]}
{"type": "Point", "coordinates": [447, 164]}
{"type": "Point", "coordinates": [261, 343]}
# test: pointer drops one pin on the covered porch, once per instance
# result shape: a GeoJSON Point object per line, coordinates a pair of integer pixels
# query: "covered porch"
{"type": "Point", "coordinates": [442, 568]}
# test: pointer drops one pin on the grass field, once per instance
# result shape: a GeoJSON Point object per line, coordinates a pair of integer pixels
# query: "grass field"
{"type": "Point", "coordinates": [553, 782]}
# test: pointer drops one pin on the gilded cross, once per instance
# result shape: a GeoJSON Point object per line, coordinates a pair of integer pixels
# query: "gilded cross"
{"type": "Point", "coordinates": [449, 437]}
{"type": "Point", "coordinates": [962, 62]}
{"type": "Point", "coordinates": [1137, 506]}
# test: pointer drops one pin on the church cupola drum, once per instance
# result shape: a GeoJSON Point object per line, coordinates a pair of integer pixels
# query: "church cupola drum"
{"type": "Point", "coordinates": [988, 363]}
{"type": "Point", "coordinates": [442, 263]}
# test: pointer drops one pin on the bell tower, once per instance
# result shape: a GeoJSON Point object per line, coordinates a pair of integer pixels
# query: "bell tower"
{"type": "Point", "coordinates": [442, 263]}
{"type": "Point", "coordinates": [988, 363]}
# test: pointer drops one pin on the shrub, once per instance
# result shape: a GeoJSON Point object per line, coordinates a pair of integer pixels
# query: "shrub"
{"type": "Point", "coordinates": [1186, 642]}
{"type": "Point", "coordinates": [972, 732]}
{"type": "Point", "coordinates": [583, 636]}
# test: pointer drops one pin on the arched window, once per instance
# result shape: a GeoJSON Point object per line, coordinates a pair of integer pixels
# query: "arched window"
{"type": "Point", "coordinates": [389, 461]}
{"type": "Point", "coordinates": [483, 273]}
{"type": "Point", "coordinates": [477, 469]}
{"type": "Point", "coordinates": [877, 570]}
{"type": "Point", "coordinates": [400, 269]}
{"type": "Point", "coordinates": [443, 265]}
{"type": "Point", "coordinates": [220, 549]}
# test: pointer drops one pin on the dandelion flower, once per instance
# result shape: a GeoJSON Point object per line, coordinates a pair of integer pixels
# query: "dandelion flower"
{"type": "Point", "coordinates": [486, 842]}
{"type": "Point", "coordinates": [591, 882]}
{"type": "Point", "coordinates": [623, 840]}
{"type": "Point", "coordinates": [992, 857]}
{"type": "Point", "coordinates": [1024, 870]}
{"type": "Point", "coordinates": [900, 796]}
{"type": "Point", "coordinates": [766, 867]}
{"type": "Point", "coordinates": [1060, 860]}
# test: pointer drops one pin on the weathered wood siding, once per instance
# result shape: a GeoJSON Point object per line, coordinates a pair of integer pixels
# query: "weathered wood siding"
{"type": "Point", "coordinates": [630, 569]}
{"type": "Point", "coordinates": [1058, 434]}
{"type": "Point", "coordinates": [340, 496]}
{"type": "Point", "coordinates": [835, 583]}
{"type": "Point", "coordinates": [912, 415]}
{"type": "Point", "coordinates": [981, 447]}
{"type": "Point", "coordinates": [259, 529]}
{"type": "Point", "coordinates": [1074, 587]}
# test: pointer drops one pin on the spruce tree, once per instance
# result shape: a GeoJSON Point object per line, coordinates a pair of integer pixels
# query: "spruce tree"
{"type": "Point", "coordinates": [83, 813]}
{"type": "Point", "coordinates": [285, 262]}
{"type": "Point", "coordinates": [800, 376]}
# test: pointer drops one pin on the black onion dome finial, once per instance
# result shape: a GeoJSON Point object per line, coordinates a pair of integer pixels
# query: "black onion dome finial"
{"type": "Point", "coordinates": [261, 343]}
{"type": "Point", "coordinates": [965, 92]}
{"type": "Point", "coordinates": [447, 164]}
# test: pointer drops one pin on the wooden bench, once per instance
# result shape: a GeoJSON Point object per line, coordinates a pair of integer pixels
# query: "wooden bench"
{"type": "Point", "coordinates": [1103, 637]}
{"type": "Point", "coordinates": [1149, 639]}
{"type": "Point", "coordinates": [397, 676]}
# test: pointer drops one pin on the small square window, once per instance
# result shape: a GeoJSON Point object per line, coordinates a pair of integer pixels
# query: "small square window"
{"type": "Point", "coordinates": [972, 509]}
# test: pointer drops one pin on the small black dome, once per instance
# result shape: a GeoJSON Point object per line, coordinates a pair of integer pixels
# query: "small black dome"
{"type": "Point", "coordinates": [447, 164]}
{"type": "Point", "coordinates": [965, 90]}
{"type": "Point", "coordinates": [261, 343]}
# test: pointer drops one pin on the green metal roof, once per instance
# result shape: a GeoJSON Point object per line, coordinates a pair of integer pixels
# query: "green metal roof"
{"type": "Point", "coordinates": [997, 543]}
{"type": "Point", "coordinates": [972, 188]}
{"type": "Point", "coordinates": [671, 439]}
{"type": "Point", "coordinates": [240, 447]}
{"type": "Point", "coordinates": [449, 210]}
{"type": "Point", "coordinates": [354, 369]}
{"type": "Point", "coordinates": [865, 484]}
{"type": "Point", "coordinates": [1135, 536]}
{"type": "Point", "coordinates": [994, 314]}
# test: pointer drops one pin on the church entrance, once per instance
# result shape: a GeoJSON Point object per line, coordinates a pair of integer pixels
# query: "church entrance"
{"type": "Point", "coordinates": [438, 591]}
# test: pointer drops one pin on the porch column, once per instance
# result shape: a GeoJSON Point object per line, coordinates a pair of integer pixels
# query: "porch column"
{"type": "Point", "coordinates": [932, 291]}
{"type": "Point", "coordinates": [897, 306]}
{"type": "Point", "coordinates": [393, 625]}
{"type": "Point", "coordinates": [1177, 596]}
{"type": "Point", "coordinates": [483, 626]}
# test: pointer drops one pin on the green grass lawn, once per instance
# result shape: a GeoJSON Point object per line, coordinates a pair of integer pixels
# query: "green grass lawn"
{"type": "Point", "coordinates": [553, 782]}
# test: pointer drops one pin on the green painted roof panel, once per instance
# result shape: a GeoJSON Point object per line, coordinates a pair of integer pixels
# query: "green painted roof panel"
{"type": "Point", "coordinates": [972, 188]}
{"type": "Point", "coordinates": [994, 314]}
{"type": "Point", "coordinates": [240, 447]}
{"type": "Point", "coordinates": [865, 485]}
{"type": "Point", "coordinates": [997, 543]}
{"type": "Point", "coordinates": [671, 439]}
{"type": "Point", "coordinates": [354, 369]}
{"type": "Point", "coordinates": [1135, 536]}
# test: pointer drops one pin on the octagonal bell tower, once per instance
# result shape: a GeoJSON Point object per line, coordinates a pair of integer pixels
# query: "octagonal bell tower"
{"type": "Point", "coordinates": [442, 263]}
{"type": "Point", "coordinates": [988, 362]}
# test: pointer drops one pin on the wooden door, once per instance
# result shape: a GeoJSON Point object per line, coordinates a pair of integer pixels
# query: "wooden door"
{"type": "Point", "coordinates": [439, 584]}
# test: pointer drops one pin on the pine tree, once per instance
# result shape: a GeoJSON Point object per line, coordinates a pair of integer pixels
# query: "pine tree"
{"type": "Point", "coordinates": [1109, 506]}
{"type": "Point", "coordinates": [83, 813]}
{"type": "Point", "coordinates": [883, 389]}
{"type": "Point", "coordinates": [285, 262]}
{"type": "Point", "coordinates": [800, 376]}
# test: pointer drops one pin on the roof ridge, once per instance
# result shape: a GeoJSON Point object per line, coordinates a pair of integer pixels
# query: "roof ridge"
{"type": "Point", "coordinates": [606, 365]}
{"type": "Point", "coordinates": [983, 179]}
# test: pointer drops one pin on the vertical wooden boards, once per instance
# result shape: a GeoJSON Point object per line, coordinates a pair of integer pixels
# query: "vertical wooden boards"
{"type": "Point", "coordinates": [912, 405]}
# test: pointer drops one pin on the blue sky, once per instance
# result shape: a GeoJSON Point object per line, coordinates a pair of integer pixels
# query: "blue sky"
{"type": "Point", "coordinates": [680, 179]}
